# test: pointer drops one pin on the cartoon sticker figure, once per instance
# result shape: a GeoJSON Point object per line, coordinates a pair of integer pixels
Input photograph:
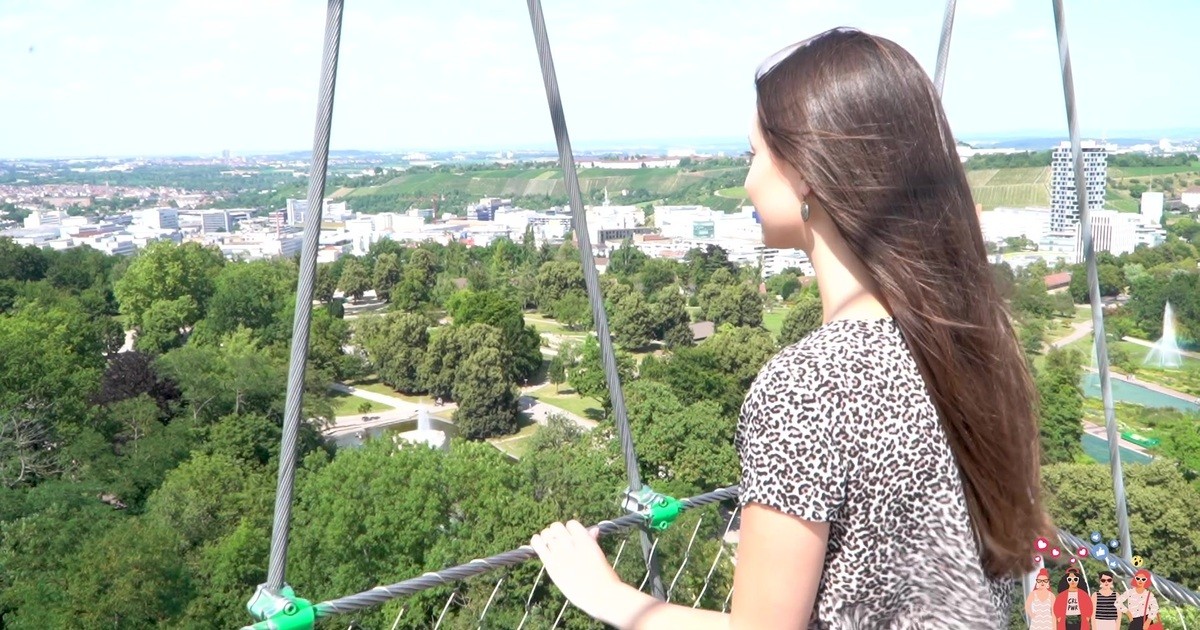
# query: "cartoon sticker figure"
{"type": "Point", "coordinates": [1106, 616]}
{"type": "Point", "coordinates": [1139, 603]}
{"type": "Point", "coordinates": [1039, 605]}
{"type": "Point", "coordinates": [1073, 606]}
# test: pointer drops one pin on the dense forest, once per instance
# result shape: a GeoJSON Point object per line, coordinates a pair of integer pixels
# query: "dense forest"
{"type": "Point", "coordinates": [136, 486]}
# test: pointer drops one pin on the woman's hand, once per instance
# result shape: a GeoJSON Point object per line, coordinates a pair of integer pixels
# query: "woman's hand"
{"type": "Point", "coordinates": [576, 564]}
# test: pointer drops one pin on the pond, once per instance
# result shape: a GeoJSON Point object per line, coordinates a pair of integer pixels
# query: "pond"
{"type": "Point", "coordinates": [1135, 394]}
{"type": "Point", "coordinates": [351, 440]}
{"type": "Point", "coordinates": [1097, 449]}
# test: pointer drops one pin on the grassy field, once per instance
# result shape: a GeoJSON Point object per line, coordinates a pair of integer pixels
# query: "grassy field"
{"type": "Point", "coordinates": [773, 320]}
{"type": "Point", "coordinates": [1013, 187]}
{"type": "Point", "coordinates": [567, 400]}
{"type": "Point", "coordinates": [347, 404]}
{"type": "Point", "coordinates": [537, 181]}
{"type": "Point", "coordinates": [372, 384]}
{"type": "Point", "coordinates": [1154, 171]}
{"type": "Point", "coordinates": [516, 445]}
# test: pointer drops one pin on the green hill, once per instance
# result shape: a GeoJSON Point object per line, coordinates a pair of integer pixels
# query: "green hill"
{"type": "Point", "coordinates": [540, 187]}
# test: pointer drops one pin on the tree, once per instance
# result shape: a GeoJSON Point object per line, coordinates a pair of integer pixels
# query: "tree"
{"type": "Point", "coordinates": [131, 374]}
{"type": "Point", "coordinates": [165, 272]}
{"type": "Point", "coordinates": [736, 304]}
{"type": "Point", "coordinates": [417, 280]}
{"type": "Point", "coordinates": [487, 402]}
{"type": "Point", "coordinates": [703, 263]}
{"type": "Point", "coordinates": [557, 372]}
{"type": "Point", "coordinates": [494, 309]}
{"type": "Point", "coordinates": [1030, 297]}
{"type": "Point", "coordinates": [1061, 406]}
{"type": "Point", "coordinates": [555, 279]}
{"type": "Point", "coordinates": [783, 285]}
{"type": "Point", "coordinates": [395, 344]}
{"type": "Point", "coordinates": [327, 281]}
{"type": "Point", "coordinates": [657, 274]}
{"type": "Point", "coordinates": [1163, 510]}
{"type": "Point", "coordinates": [626, 260]}
{"type": "Point", "coordinates": [1064, 305]}
{"type": "Point", "coordinates": [743, 351]}
{"type": "Point", "coordinates": [803, 318]}
{"type": "Point", "coordinates": [354, 281]}
{"type": "Point", "coordinates": [632, 323]}
{"type": "Point", "coordinates": [257, 295]}
{"type": "Point", "coordinates": [691, 445]}
{"type": "Point", "coordinates": [386, 275]}
{"type": "Point", "coordinates": [572, 310]}
{"type": "Point", "coordinates": [587, 377]}
{"type": "Point", "coordinates": [1032, 334]}
{"type": "Point", "coordinates": [672, 323]}
{"type": "Point", "coordinates": [451, 349]}
{"type": "Point", "coordinates": [163, 324]}
{"type": "Point", "coordinates": [22, 263]}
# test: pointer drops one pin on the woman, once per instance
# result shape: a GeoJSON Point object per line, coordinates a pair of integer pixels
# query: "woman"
{"type": "Point", "coordinates": [1138, 602]}
{"type": "Point", "coordinates": [1040, 603]}
{"type": "Point", "coordinates": [1073, 606]}
{"type": "Point", "coordinates": [889, 459]}
{"type": "Point", "coordinates": [1106, 616]}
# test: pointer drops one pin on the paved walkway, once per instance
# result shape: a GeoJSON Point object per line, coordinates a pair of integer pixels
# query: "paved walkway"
{"type": "Point", "coordinates": [1101, 433]}
{"type": "Point", "coordinates": [1082, 329]}
{"type": "Point", "coordinates": [404, 410]}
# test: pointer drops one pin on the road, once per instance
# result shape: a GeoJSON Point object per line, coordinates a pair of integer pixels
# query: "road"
{"type": "Point", "coordinates": [1082, 329]}
{"type": "Point", "coordinates": [406, 410]}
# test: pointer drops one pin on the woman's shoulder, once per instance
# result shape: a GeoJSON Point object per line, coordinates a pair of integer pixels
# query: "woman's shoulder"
{"type": "Point", "coordinates": [839, 353]}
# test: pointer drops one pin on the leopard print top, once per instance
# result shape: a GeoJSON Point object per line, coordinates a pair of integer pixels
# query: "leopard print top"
{"type": "Point", "coordinates": [840, 428]}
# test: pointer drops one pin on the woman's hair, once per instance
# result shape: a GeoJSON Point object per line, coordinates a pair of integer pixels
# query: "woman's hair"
{"type": "Point", "coordinates": [1108, 574]}
{"type": "Point", "coordinates": [1142, 573]}
{"type": "Point", "coordinates": [859, 120]}
{"type": "Point", "coordinates": [1062, 584]}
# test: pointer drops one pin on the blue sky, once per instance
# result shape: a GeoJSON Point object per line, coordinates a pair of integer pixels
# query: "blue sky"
{"type": "Point", "coordinates": [152, 77]}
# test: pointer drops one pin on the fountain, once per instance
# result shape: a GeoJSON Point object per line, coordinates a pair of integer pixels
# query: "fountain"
{"type": "Point", "coordinates": [1165, 353]}
{"type": "Point", "coordinates": [425, 433]}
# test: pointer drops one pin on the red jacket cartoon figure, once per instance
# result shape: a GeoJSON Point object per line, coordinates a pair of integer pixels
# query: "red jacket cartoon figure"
{"type": "Point", "coordinates": [1073, 606]}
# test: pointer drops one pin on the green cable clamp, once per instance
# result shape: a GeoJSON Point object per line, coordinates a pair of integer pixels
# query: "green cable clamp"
{"type": "Point", "coordinates": [659, 509]}
{"type": "Point", "coordinates": [281, 611]}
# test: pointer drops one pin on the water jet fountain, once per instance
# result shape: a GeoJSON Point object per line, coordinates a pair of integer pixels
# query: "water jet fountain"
{"type": "Point", "coordinates": [1165, 353]}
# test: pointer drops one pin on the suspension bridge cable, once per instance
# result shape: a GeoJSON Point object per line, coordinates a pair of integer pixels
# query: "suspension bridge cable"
{"type": "Point", "coordinates": [943, 57]}
{"type": "Point", "coordinates": [1089, 253]}
{"type": "Point", "coordinates": [591, 277]}
{"type": "Point", "coordinates": [304, 296]}
{"type": "Point", "coordinates": [381, 594]}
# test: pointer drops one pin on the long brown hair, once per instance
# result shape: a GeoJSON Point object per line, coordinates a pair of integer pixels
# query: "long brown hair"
{"type": "Point", "coordinates": [860, 121]}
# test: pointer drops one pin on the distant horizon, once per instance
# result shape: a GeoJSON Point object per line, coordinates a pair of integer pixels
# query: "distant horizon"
{"type": "Point", "coordinates": [698, 143]}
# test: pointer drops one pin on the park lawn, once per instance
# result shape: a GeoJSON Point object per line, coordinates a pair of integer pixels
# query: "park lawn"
{"type": "Point", "coordinates": [1186, 379]}
{"type": "Point", "coordinates": [373, 384]}
{"type": "Point", "coordinates": [567, 400]}
{"type": "Point", "coordinates": [347, 404]}
{"type": "Point", "coordinates": [517, 444]}
{"type": "Point", "coordinates": [773, 320]}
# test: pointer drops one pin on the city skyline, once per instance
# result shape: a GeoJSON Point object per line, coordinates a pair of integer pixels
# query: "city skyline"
{"type": "Point", "coordinates": [141, 78]}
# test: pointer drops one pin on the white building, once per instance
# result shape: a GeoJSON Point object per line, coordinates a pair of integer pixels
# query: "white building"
{"type": "Point", "coordinates": [296, 209]}
{"type": "Point", "coordinates": [1117, 233]}
{"type": "Point", "coordinates": [157, 218]}
{"type": "Point", "coordinates": [1152, 207]}
{"type": "Point", "coordinates": [1191, 198]}
{"type": "Point", "coordinates": [43, 218]}
{"type": "Point", "coordinates": [1064, 203]}
{"type": "Point", "coordinates": [337, 211]}
{"type": "Point", "coordinates": [1003, 223]}
{"type": "Point", "coordinates": [215, 221]}
{"type": "Point", "coordinates": [776, 261]}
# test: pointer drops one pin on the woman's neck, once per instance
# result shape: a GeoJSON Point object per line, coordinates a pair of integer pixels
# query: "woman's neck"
{"type": "Point", "coordinates": [847, 289]}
